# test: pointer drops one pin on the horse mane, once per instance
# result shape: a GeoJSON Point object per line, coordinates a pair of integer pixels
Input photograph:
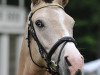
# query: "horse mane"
{"type": "Point", "coordinates": [38, 1]}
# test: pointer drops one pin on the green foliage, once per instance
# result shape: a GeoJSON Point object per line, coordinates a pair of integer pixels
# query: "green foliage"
{"type": "Point", "coordinates": [87, 28]}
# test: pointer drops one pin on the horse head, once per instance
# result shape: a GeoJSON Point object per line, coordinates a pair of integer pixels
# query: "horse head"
{"type": "Point", "coordinates": [52, 29]}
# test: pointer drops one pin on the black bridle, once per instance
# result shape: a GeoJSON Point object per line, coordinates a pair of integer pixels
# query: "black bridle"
{"type": "Point", "coordinates": [52, 67]}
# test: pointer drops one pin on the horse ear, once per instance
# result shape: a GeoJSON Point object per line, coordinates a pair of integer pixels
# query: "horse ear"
{"type": "Point", "coordinates": [62, 2]}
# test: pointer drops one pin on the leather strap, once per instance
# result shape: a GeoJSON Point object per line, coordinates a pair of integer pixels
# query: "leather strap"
{"type": "Point", "coordinates": [45, 5]}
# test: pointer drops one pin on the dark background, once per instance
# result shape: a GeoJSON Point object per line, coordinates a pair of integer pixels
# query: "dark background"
{"type": "Point", "coordinates": [87, 27]}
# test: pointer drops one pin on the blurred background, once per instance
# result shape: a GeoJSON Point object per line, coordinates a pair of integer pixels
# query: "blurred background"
{"type": "Point", "coordinates": [13, 15]}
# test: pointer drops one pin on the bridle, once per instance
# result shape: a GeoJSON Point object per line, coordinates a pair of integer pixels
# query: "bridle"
{"type": "Point", "coordinates": [52, 66]}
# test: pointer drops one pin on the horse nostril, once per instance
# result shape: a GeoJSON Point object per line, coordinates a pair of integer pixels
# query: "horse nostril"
{"type": "Point", "coordinates": [67, 61]}
{"type": "Point", "coordinates": [69, 73]}
{"type": "Point", "coordinates": [78, 72]}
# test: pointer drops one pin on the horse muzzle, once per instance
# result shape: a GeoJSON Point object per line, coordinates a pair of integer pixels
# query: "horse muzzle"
{"type": "Point", "coordinates": [74, 59]}
{"type": "Point", "coordinates": [72, 56]}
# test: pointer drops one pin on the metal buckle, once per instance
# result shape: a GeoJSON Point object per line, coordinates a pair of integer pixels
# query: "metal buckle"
{"type": "Point", "coordinates": [53, 66]}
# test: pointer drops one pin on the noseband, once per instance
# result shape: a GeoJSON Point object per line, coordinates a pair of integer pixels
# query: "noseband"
{"type": "Point", "coordinates": [52, 67]}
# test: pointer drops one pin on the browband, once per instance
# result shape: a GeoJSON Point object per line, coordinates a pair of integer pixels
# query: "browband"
{"type": "Point", "coordinates": [45, 5]}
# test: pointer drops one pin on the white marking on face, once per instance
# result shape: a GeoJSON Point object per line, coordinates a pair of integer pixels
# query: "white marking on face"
{"type": "Point", "coordinates": [61, 20]}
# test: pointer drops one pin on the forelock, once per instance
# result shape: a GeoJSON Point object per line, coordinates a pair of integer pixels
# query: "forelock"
{"type": "Point", "coordinates": [48, 1]}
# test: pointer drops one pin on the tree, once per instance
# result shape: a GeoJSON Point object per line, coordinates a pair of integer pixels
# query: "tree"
{"type": "Point", "coordinates": [87, 29]}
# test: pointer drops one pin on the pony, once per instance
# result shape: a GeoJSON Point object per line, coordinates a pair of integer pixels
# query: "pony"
{"type": "Point", "coordinates": [48, 46]}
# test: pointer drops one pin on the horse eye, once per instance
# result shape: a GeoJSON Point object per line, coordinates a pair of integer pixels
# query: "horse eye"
{"type": "Point", "coordinates": [39, 23]}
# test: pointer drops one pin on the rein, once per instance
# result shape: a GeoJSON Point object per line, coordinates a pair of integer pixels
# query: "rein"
{"type": "Point", "coordinates": [52, 66]}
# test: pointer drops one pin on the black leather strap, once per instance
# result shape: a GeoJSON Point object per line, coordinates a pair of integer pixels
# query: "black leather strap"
{"type": "Point", "coordinates": [59, 42]}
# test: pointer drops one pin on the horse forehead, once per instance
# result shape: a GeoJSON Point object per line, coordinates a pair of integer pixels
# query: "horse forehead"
{"type": "Point", "coordinates": [49, 13]}
{"type": "Point", "coordinates": [56, 14]}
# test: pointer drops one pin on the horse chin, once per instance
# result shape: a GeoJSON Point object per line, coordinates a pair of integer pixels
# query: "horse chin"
{"type": "Point", "coordinates": [63, 72]}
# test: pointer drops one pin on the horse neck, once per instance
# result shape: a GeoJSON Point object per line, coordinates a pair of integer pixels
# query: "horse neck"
{"type": "Point", "coordinates": [26, 66]}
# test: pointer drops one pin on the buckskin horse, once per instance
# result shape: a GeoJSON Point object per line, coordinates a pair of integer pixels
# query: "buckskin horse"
{"type": "Point", "coordinates": [48, 46]}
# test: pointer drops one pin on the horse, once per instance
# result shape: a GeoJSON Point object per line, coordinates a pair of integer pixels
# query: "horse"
{"type": "Point", "coordinates": [48, 46]}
